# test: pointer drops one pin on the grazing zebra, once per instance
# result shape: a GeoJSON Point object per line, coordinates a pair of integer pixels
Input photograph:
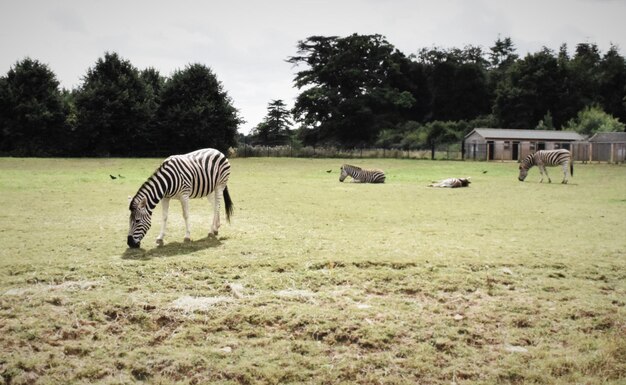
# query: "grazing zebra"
{"type": "Point", "coordinates": [360, 175]}
{"type": "Point", "coordinates": [452, 182]}
{"type": "Point", "coordinates": [544, 158]}
{"type": "Point", "coordinates": [182, 177]}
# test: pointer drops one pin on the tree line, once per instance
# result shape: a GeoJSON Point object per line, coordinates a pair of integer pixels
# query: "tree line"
{"type": "Point", "coordinates": [118, 110]}
{"type": "Point", "coordinates": [362, 91]}
{"type": "Point", "coordinates": [355, 91]}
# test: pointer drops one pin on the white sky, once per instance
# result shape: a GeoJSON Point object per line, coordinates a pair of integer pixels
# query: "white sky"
{"type": "Point", "coordinates": [246, 42]}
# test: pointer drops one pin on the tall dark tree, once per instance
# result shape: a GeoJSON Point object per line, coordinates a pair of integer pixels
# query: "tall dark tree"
{"type": "Point", "coordinates": [458, 83]}
{"type": "Point", "coordinates": [155, 84]}
{"type": "Point", "coordinates": [532, 87]}
{"type": "Point", "coordinates": [275, 128]}
{"type": "Point", "coordinates": [612, 83]}
{"type": "Point", "coordinates": [114, 108]}
{"type": "Point", "coordinates": [502, 56]}
{"type": "Point", "coordinates": [348, 97]}
{"type": "Point", "coordinates": [195, 112]}
{"type": "Point", "coordinates": [31, 111]}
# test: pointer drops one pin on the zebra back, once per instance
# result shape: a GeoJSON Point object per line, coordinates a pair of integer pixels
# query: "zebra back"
{"type": "Point", "coordinates": [195, 174]}
{"type": "Point", "coordinates": [547, 158]}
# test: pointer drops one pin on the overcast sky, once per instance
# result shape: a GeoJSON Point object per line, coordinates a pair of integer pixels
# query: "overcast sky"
{"type": "Point", "coordinates": [246, 43]}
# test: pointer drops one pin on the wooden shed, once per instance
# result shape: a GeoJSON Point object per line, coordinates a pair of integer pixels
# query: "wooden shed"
{"type": "Point", "coordinates": [513, 144]}
{"type": "Point", "coordinates": [608, 147]}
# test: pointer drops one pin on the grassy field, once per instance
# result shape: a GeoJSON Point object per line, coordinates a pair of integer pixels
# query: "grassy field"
{"type": "Point", "coordinates": [315, 281]}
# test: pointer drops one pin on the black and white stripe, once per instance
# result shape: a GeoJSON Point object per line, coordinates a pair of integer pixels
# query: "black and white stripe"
{"type": "Point", "coordinates": [548, 158]}
{"type": "Point", "coordinates": [360, 175]}
{"type": "Point", "coordinates": [452, 182]}
{"type": "Point", "coordinates": [183, 177]}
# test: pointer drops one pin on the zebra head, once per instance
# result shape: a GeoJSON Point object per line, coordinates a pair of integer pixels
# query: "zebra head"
{"type": "Point", "coordinates": [140, 220]}
{"type": "Point", "coordinates": [523, 171]}
{"type": "Point", "coordinates": [342, 173]}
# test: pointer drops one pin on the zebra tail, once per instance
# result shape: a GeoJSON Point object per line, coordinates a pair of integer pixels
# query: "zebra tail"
{"type": "Point", "coordinates": [228, 204]}
{"type": "Point", "coordinates": [571, 167]}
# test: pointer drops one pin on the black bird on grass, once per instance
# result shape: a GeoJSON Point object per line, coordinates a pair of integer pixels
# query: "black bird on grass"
{"type": "Point", "coordinates": [112, 177]}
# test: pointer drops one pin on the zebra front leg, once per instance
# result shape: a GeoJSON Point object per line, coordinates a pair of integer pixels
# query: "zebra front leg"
{"type": "Point", "coordinates": [546, 171]}
{"type": "Point", "coordinates": [218, 194]}
{"type": "Point", "coordinates": [184, 201]}
{"type": "Point", "coordinates": [542, 170]}
{"type": "Point", "coordinates": [165, 205]}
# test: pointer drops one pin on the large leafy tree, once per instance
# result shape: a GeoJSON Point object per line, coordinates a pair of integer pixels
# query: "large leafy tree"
{"type": "Point", "coordinates": [532, 87]}
{"type": "Point", "coordinates": [458, 84]}
{"type": "Point", "coordinates": [348, 96]}
{"type": "Point", "coordinates": [195, 112]}
{"type": "Point", "coordinates": [593, 119]}
{"type": "Point", "coordinates": [31, 111]}
{"type": "Point", "coordinates": [114, 108]}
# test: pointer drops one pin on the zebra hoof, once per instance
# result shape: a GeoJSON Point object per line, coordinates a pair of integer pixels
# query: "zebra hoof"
{"type": "Point", "coordinates": [159, 242]}
{"type": "Point", "coordinates": [213, 233]}
{"type": "Point", "coordinates": [187, 240]}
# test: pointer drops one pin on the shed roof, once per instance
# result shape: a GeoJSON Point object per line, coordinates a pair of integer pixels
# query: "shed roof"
{"type": "Point", "coordinates": [509, 133]}
{"type": "Point", "coordinates": [609, 137]}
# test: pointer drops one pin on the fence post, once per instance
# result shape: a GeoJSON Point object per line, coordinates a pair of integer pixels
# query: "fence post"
{"type": "Point", "coordinates": [612, 152]}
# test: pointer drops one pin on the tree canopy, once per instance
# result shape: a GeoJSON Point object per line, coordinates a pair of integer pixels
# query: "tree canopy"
{"type": "Point", "coordinates": [32, 115]}
{"type": "Point", "coordinates": [357, 90]}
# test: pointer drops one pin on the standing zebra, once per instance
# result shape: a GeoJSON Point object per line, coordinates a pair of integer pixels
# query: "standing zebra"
{"type": "Point", "coordinates": [545, 158]}
{"type": "Point", "coordinates": [360, 175]}
{"type": "Point", "coordinates": [182, 177]}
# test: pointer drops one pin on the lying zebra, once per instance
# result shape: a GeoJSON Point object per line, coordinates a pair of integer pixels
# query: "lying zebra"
{"type": "Point", "coordinates": [452, 182]}
{"type": "Point", "coordinates": [360, 175]}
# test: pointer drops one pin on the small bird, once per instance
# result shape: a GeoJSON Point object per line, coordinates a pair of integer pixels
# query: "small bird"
{"type": "Point", "coordinates": [112, 177]}
{"type": "Point", "coordinates": [484, 172]}
{"type": "Point", "coordinates": [119, 175]}
{"type": "Point", "coordinates": [329, 171]}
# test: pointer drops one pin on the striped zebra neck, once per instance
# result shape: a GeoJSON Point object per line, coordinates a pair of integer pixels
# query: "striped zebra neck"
{"type": "Point", "coordinates": [529, 161]}
{"type": "Point", "coordinates": [148, 192]}
{"type": "Point", "coordinates": [352, 170]}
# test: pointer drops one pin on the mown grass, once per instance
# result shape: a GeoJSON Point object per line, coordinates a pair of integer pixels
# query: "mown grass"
{"type": "Point", "coordinates": [315, 281]}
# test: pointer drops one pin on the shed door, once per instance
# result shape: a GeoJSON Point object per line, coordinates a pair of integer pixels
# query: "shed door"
{"type": "Point", "coordinates": [491, 148]}
{"type": "Point", "coordinates": [515, 151]}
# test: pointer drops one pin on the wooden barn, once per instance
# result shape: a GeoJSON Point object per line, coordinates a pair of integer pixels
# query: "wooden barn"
{"type": "Point", "coordinates": [513, 144]}
{"type": "Point", "coordinates": [608, 147]}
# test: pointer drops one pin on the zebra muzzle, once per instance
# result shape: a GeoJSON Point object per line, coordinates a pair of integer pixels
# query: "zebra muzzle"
{"type": "Point", "coordinates": [131, 242]}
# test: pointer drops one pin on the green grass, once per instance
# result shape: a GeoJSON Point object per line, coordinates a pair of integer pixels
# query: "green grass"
{"type": "Point", "coordinates": [315, 281]}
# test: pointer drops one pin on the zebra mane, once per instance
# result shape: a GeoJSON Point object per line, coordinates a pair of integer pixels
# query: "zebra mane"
{"type": "Point", "coordinates": [356, 168]}
{"type": "Point", "coordinates": [146, 192]}
{"type": "Point", "coordinates": [528, 161]}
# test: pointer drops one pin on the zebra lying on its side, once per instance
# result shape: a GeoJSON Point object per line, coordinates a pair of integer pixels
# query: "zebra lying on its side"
{"type": "Point", "coordinates": [452, 182]}
{"type": "Point", "coordinates": [183, 177]}
{"type": "Point", "coordinates": [544, 158]}
{"type": "Point", "coordinates": [360, 175]}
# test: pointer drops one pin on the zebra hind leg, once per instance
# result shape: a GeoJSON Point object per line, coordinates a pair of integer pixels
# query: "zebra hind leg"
{"type": "Point", "coordinates": [565, 165]}
{"type": "Point", "coordinates": [184, 201]}
{"type": "Point", "coordinates": [218, 193]}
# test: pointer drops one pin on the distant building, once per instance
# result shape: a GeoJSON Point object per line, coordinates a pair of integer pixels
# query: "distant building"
{"type": "Point", "coordinates": [608, 147]}
{"type": "Point", "coordinates": [513, 144]}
